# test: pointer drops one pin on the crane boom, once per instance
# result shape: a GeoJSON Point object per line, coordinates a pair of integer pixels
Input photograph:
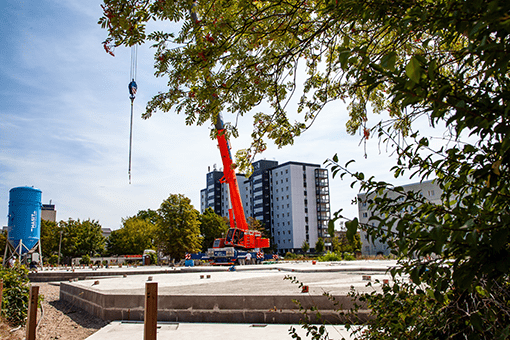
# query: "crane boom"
{"type": "Point", "coordinates": [239, 234]}
{"type": "Point", "coordinates": [236, 213]}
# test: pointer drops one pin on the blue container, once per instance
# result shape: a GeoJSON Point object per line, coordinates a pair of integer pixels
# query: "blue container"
{"type": "Point", "coordinates": [24, 220]}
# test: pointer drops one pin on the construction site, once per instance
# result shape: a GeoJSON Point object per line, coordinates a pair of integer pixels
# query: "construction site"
{"type": "Point", "coordinates": [261, 301]}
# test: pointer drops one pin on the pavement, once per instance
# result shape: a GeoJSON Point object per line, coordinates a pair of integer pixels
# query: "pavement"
{"type": "Point", "coordinates": [336, 279]}
{"type": "Point", "coordinates": [119, 330]}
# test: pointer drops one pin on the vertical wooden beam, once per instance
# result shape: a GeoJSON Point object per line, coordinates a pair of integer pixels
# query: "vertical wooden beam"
{"type": "Point", "coordinates": [1, 293]}
{"type": "Point", "coordinates": [32, 313]}
{"type": "Point", "coordinates": [150, 320]}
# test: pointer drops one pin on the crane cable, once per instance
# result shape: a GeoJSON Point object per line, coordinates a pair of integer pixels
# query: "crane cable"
{"type": "Point", "coordinates": [132, 87]}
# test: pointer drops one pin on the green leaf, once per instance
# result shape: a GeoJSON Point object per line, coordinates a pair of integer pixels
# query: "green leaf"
{"type": "Point", "coordinates": [352, 229]}
{"type": "Point", "coordinates": [388, 61]}
{"type": "Point", "coordinates": [413, 70]}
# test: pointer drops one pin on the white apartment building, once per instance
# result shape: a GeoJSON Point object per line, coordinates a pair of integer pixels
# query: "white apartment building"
{"type": "Point", "coordinates": [429, 189]}
{"type": "Point", "coordinates": [291, 200]}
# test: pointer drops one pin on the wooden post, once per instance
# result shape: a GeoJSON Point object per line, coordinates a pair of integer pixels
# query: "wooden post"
{"type": "Point", "coordinates": [1, 293]}
{"type": "Point", "coordinates": [150, 320]}
{"type": "Point", "coordinates": [32, 313]}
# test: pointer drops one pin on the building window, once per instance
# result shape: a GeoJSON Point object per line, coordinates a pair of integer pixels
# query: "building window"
{"type": "Point", "coordinates": [287, 188]}
{"type": "Point", "coordinates": [288, 205]}
{"type": "Point", "coordinates": [284, 232]}
{"type": "Point", "coordinates": [286, 180]}
{"type": "Point", "coordinates": [365, 214]}
{"type": "Point", "coordinates": [287, 196]}
{"type": "Point", "coordinates": [286, 171]}
{"type": "Point", "coordinates": [288, 214]}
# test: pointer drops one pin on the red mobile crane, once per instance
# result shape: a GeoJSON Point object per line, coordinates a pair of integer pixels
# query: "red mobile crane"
{"type": "Point", "coordinates": [239, 237]}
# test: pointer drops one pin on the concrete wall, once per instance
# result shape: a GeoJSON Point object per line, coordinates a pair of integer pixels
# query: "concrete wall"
{"type": "Point", "coordinates": [208, 308]}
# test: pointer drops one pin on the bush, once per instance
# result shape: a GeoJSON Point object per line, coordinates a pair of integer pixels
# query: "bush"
{"type": "Point", "coordinates": [330, 256]}
{"type": "Point", "coordinates": [349, 257]}
{"type": "Point", "coordinates": [293, 256]}
{"type": "Point", "coordinates": [15, 294]}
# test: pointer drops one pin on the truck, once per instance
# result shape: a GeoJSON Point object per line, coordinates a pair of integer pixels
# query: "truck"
{"type": "Point", "coordinates": [240, 240]}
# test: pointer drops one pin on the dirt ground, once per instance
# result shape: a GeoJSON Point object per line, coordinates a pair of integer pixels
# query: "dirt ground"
{"type": "Point", "coordinates": [58, 320]}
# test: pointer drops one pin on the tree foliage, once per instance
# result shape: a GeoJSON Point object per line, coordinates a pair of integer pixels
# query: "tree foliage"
{"type": "Point", "coordinates": [319, 245]}
{"type": "Point", "coordinates": [212, 226]}
{"type": "Point", "coordinates": [81, 238]}
{"type": "Point", "coordinates": [305, 247]}
{"type": "Point", "coordinates": [50, 238]}
{"type": "Point", "coordinates": [178, 227]}
{"type": "Point", "coordinates": [136, 235]}
{"type": "Point", "coordinates": [444, 62]}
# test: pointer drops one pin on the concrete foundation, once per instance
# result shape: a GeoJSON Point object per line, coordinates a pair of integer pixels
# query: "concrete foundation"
{"type": "Point", "coordinates": [261, 295]}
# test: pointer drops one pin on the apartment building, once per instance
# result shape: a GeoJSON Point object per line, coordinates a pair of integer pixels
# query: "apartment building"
{"type": "Point", "coordinates": [429, 189]}
{"type": "Point", "coordinates": [291, 201]}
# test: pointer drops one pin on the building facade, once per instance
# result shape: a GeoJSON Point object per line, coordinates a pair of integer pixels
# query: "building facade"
{"type": "Point", "coordinates": [429, 189]}
{"type": "Point", "coordinates": [290, 200]}
{"type": "Point", "coordinates": [48, 212]}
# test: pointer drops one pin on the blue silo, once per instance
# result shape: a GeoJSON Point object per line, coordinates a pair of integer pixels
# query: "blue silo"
{"type": "Point", "coordinates": [24, 220]}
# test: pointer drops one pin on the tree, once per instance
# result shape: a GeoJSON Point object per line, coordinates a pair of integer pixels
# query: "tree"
{"type": "Point", "coordinates": [212, 226]}
{"type": "Point", "coordinates": [136, 235]}
{"type": "Point", "coordinates": [178, 227]}
{"type": "Point", "coordinates": [50, 238]}
{"type": "Point", "coordinates": [319, 246]}
{"type": "Point", "coordinates": [305, 247]}
{"type": "Point", "coordinates": [444, 62]}
{"type": "Point", "coordinates": [81, 238]}
{"type": "Point", "coordinates": [3, 239]}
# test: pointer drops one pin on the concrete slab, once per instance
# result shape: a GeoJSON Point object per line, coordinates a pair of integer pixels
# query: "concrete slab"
{"type": "Point", "coordinates": [65, 274]}
{"type": "Point", "coordinates": [251, 294]}
{"type": "Point", "coordinates": [119, 330]}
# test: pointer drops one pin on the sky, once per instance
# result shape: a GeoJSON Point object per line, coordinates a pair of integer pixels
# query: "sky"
{"type": "Point", "coordinates": [65, 115]}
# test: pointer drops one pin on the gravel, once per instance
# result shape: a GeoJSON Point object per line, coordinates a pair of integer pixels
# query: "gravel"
{"type": "Point", "coordinates": [59, 319]}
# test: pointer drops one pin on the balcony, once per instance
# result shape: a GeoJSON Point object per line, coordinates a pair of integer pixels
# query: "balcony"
{"type": "Point", "coordinates": [322, 191]}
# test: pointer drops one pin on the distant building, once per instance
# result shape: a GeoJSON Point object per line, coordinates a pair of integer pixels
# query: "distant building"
{"type": "Point", "coordinates": [106, 232]}
{"type": "Point", "coordinates": [429, 189]}
{"type": "Point", "coordinates": [48, 212]}
{"type": "Point", "coordinates": [290, 200]}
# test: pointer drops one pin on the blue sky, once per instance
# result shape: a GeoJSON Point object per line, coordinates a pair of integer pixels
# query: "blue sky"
{"type": "Point", "coordinates": [64, 123]}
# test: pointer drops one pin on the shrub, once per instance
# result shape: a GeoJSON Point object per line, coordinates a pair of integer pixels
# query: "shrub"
{"type": "Point", "coordinates": [15, 294]}
{"type": "Point", "coordinates": [330, 256]}
{"type": "Point", "coordinates": [349, 257]}
{"type": "Point", "coordinates": [292, 256]}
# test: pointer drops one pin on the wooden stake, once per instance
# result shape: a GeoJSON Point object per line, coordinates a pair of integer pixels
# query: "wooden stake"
{"type": "Point", "coordinates": [150, 320]}
{"type": "Point", "coordinates": [32, 313]}
{"type": "Point", "coordinates": [1, 293]}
